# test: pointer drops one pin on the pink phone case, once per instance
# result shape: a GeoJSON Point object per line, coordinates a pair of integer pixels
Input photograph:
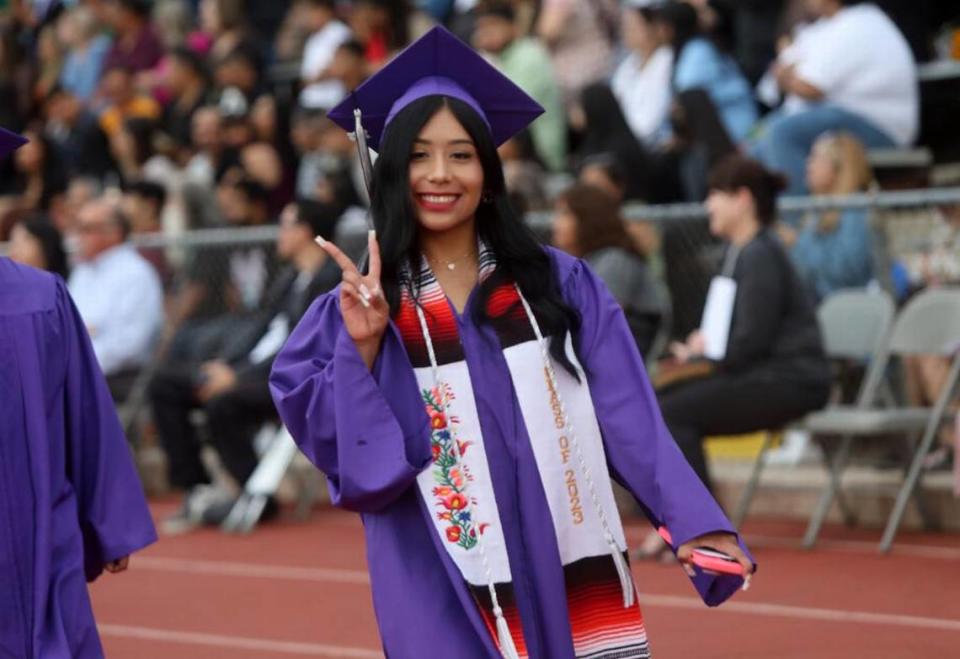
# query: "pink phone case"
{"type": "Point", "coordinates": [714, 561]}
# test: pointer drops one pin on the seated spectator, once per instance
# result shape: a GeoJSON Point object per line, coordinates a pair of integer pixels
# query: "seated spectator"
{"type": "Point", "coordinates": [133, 148]}
{"type": "Point", "coordinates": [75, 129]}
{"type": "Point", "coordinates": [37, 243]}
{"type": "Point", "coordinates": [124, 102]}
{"type": "Point", "coordinates": [348, 65]}
{"type": "Point", "coordinates": [604, 172]}
{"type": "Point", "coordinates": [240, 69]}
{"type": "Point", "coordinates": [832, 249]}
{"type": "Point", "coordinates": [186, 81]}
{"type": "Point", "coordinates": [642, 83]}
{"type": "Point", "coordinates": [700, 140]}
{"type": "Point", "coordinates": [232, 386]}
{"type": "Point", "coordinates": [850, 71]}
{"type": "Point", "coordinates": [587, 224]}
{"type": "Point", "coordinates": [143, 203]}
{"type": "Point", "coordinates": [173, 20]}
{"type": "Point", "coordinates": [700, 64]}
{"type": "Point", "coordinates": [523, 173]}
{"type": "Point", "coordinates": [136, 46]}
{"type": "Point", "coordinates": [223, 284]}
{"type": "Point", "coordinates": [315, 162]}
{"type": "Point", "coordinates": [244, 155]}
{"type": "Point", "coordinates": [575, 33]}
{"type": "Point", "coordinates": [206, 147]}
{"type": "Point", "coordinates": [117, 293]}
{"type": "Point", "coordinates": [224, 28]}
{"type": "Point", "coordinates": [50, 57]}
{"type": "Point", "coordinates": [321, 90]}
{"type": "Point", "coordinates": [87, 49]}
{"type": "Point", "coordinates": [527, 63]}
{"type": "Point", "coordinates": [385, 27]}
{"type": "Point", "coordinates": [935, 264]}
{"type": "Point", "coordinates": [774, 369]}
{"type": "Point", "coordinates": [37, 183]}
{"type": "Point", "coordinates": [651, 176]}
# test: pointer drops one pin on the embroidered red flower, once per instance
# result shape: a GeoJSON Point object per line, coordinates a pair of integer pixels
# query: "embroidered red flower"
{"type": "Point", "coordinates": [438, 420]}
{"type": "Point", "coordinates": [455, 502]}
{"type": "Point", "coordinates": [435, 450]}
{"type": "Point", "coordinates": [453, 533]}
{"type": "Point", "coordinates": [463, 446]}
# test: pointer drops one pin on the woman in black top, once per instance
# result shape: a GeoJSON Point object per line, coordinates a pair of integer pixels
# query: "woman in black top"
{"type": "Point", "coordinates": [774, 369]}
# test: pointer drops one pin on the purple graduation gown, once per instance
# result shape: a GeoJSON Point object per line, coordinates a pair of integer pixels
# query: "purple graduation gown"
{"type": "Point", "coordinates": [370, 434]}
{"type": "Point", "coordinates": [70, 499]}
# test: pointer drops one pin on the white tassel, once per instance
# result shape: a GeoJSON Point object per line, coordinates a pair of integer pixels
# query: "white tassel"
{"type": "Point", "coordinates": [623, 571]}
{"type": "Point", "coordinates": [507, 648]}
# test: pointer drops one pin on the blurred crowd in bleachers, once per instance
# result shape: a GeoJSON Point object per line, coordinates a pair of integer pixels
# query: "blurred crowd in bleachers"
{"type": "Point", "coordinates": [161, 117]}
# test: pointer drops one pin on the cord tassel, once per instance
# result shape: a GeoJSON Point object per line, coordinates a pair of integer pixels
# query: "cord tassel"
{"type": "Point", "coordinates": [623, 571]}
{"type": "Point", "coordinates": [507, 648]}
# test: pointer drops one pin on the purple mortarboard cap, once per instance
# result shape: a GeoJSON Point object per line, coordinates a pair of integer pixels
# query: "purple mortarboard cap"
{"type": "Point", "coordinates": [10, 142]}
{"type": "Point", "coordinates": [438, 63]}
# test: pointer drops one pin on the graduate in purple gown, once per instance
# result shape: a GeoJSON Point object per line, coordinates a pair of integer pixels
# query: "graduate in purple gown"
{"type": "Point", "coordinates": [471, 393]}
{"type": "Point", "coordinates": [71, 504]}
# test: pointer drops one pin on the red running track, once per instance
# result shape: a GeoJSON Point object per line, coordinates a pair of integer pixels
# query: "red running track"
{"type": "Point", "coordinates": [296, 589]}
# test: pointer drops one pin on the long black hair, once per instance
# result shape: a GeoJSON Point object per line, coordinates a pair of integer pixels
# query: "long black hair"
{"type": "Point", "coordinates": [51, 243]}
{"type": "Point", "coordinates": [520, 258]}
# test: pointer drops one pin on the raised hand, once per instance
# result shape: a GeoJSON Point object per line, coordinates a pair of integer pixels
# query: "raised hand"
{"type": "Point", "coordinates": [364, 309]}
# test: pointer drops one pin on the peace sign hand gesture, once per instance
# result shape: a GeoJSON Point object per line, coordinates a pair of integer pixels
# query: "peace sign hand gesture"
{"type": "Point", "coordinates": [364, 309]}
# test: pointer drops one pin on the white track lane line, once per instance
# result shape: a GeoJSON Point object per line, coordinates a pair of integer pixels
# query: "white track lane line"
{"type": "Point", "coordinates": [805, 612]}
{"type": "Point", "coordinates": [236, 642]}
{"type": "Point", "coordinates": [254, 570]}
{"type": "Point", "coordinates": [856, 547]}
{"type": "Point", "coordinates": [323, 575]}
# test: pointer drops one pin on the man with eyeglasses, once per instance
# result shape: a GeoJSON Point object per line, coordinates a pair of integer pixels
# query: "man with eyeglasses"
{"type": "Point", "coordinates": [117, 292]}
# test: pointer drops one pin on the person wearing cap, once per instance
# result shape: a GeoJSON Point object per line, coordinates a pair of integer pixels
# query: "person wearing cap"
{"type": "Point", "coordinates": [478, 452]}
{"type": "Point", "coordinates": [71, 505]}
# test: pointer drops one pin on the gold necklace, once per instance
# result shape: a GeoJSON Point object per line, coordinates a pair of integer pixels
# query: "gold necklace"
{"type": "Point", "coordinates": [452, 264]}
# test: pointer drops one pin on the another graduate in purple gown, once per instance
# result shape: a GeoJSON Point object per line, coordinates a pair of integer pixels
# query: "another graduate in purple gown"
{"type": "Point", "coordinates": [471, 393]}
{"type": "Point", "coordinates": [71, 504]}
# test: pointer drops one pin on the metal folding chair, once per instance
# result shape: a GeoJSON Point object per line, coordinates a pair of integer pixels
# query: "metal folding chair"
{"type": "Point", "coordinates": [265, 481]}
{"type": "Point", "coordinates": [854, 325]}
{"type": "Point", "coordinates": [928, 325]}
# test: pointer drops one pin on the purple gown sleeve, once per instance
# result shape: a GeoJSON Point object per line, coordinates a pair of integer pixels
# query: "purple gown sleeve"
{"type": "Point", "coordinates": [367, 431]}
{"type": "Point", "coordinates": [113, 513]}
{"type": "Point", "coordinates": [640, 451]}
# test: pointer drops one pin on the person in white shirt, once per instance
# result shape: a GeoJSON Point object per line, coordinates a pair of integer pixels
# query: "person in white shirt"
{"type": "Point", "coordinates": [852, 70]}
{"type": "Point", "coordinates": [117, 291]}
{"type": "Point", "coordinates": [321, 90]}
{"type": "Point", "coordinates": [642, 81]}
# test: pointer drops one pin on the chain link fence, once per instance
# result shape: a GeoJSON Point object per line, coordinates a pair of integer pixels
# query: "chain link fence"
{"type": "Point", "coordinates": [916, 242]}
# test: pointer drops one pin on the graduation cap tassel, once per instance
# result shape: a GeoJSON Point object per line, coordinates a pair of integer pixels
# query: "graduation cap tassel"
{"type": "Point", "coordinates": [359, 135]}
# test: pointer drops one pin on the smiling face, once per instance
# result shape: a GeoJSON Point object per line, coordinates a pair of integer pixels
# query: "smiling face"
{"type": "Point", "coordinates": [446, 175]}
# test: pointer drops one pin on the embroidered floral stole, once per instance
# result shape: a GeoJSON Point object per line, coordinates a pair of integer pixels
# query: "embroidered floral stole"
{"type": "Point", "coordinates": [605, 623]}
